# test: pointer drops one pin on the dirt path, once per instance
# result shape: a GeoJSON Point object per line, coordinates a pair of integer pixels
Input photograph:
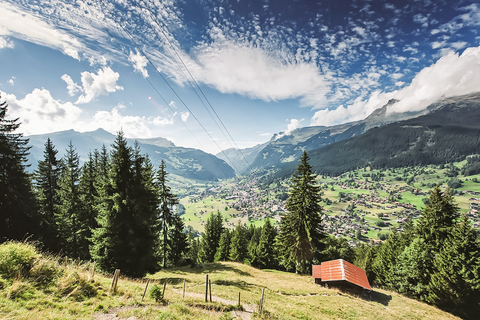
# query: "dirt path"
{"type": "Point", "coordinates": [244, 315]}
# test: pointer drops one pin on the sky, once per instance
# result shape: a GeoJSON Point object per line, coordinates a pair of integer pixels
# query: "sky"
{"type": "Point", "coordinates": [219, 74]}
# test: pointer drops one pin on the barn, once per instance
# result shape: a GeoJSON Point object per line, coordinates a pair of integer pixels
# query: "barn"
{"type": "Point", "coordinates": [340, 273]}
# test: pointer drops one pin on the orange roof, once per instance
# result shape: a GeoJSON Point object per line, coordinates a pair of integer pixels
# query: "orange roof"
{"type": "Point", "coordinates": [338, 270]}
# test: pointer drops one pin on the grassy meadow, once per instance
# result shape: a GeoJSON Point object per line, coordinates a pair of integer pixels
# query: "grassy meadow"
{"type": "Point", "coordinates": [38, 286]}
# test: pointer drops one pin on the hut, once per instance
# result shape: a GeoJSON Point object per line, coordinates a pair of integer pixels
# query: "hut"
{"type": "Point", "coordinates": [340, 273]}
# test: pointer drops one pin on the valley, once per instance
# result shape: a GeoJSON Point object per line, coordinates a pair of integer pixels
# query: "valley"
{"type": "Point", "coordinates": [360, 205]}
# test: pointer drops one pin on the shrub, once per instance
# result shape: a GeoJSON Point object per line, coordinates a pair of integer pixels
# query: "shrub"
{"type": "Point", "coordinates": [156, 292]}
{"type": "Point", "coordinates": [16, 259]}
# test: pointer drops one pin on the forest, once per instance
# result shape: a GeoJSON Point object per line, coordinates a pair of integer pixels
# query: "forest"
{"type": "Point", "coordinates": [119, 211]}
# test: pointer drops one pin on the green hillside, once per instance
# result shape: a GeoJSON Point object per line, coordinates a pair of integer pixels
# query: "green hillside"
{"type": "Point", "coordinates": [36, 286]}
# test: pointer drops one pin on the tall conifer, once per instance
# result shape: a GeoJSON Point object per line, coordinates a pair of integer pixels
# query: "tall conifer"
{"type": "Point", "coordinates": [301, 228]}
{"type": "Point", "coordinates": [17, 204]}
{"type": "Point", "coordinates": [211, 237]}
{"type": "Point", "coordinates": [69, 219]}
{"type": "Point", "coordinates": [46, 187]}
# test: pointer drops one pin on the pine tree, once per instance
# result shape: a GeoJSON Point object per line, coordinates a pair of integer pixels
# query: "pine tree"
{"type": "Point", "coordinates": [126, 236]}
{"type": "Point", "coordinates": [386, 259]}
{"type": "Point", "coordinates": [266, 255]}
{"type": "Point", "coordinates": [301, 228]}
{"type": "Point", "coordinates": [253, 238]}
{"type": "Point", "coordinates": [89, 199]}
{"type": "Point", "coordinates": [223, 250]}
{"type": "Point", "coordinates": [238, 244]}
{"type": "Point", "coordinates": [69, 220]}
{"type": "Point", "coordinates": [178, 238]}
{"type": "Point", "coordinates": [167, 202]}
{"type": "Point", "coordinates": [455, 286]}
{"type": "Point", "coordinates": [17, 202]}
{"type": "Point", "coordinates": [46, 187]}
{"type": "Point", "coordinates": [408, 274]}
{"type": "Point", "coordinates": [211, 238]}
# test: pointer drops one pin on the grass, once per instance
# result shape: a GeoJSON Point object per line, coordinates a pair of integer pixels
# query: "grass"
{"type": "Point", "coordinates": [70, 294]}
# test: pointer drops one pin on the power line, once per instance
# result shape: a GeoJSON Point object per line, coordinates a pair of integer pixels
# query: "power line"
{"type": "Point", "coordinates": [151, 84]}
{"type": "Point", "coordinates": [236, 148]}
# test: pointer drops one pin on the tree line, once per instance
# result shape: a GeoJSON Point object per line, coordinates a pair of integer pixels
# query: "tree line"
{"type": "Point", "coordinates": [116, 208]}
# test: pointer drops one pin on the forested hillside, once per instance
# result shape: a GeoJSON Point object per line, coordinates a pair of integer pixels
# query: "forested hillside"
{"type": "Point", "coordinates": [447, 134]}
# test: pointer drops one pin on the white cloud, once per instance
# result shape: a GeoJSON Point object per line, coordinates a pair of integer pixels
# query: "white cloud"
{"type": "Point", "coordinates": [102, 83]}
{"type": "Point", "coordinates": [40, 113]}
{"type": "Point", "coordinates": [139, 63]}
{"type": "Point", "coordinates": [11, 81]}
{"type": "Point", "coordinates": [184, 116]}
{"type": "Point", "coordinates": [5, 43]}
{"type": "Point", "coordinates": [254, 72]}
{"type": "Point", "coordinates": [294, 124]}
{"type": "Point", "coordinates": [72, 87]}
{"type": "Point", "coordinates": [26, 26]}
{"type": "Point", "coordinates": [451, 75]}
{"type": "Point", "coordinates": [162, 121]}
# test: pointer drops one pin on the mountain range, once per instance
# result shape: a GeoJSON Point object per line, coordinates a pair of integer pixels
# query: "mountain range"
{"type": "Point", "coordinates": [446, 131]}
{"type": "Point", "coordinates": [183, 162]}
{"type": "Point", "coordinates": [443, 132]}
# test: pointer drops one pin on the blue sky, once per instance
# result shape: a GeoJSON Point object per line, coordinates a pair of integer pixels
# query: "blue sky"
{"type": "Point", "coordinates": [219, 74]}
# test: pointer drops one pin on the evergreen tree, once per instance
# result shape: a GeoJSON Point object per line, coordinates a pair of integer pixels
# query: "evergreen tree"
{"type": "Point", "coordinates": [46, 187]}
{"type": "Point", "coordinates": [408, 273]}
{"type": "Point", "coordinates": [167, 202]}
{"type": "Point", "coordinates": [238, 244]}
{"type": "Point", "coordinates": [17, 202]}
{"type": "Point", "coordinates": [386, 259]}
{"type": "Point", "coordinates": [211, 238]}
{"type": "Point", "coordinates": [455, 286]}
{"type": "Point", "coordinates": [223, 250]}
{"type": "Point", "coordinates": [127, 234]}
{"type": "Point", "coordinates": [301, 228]}
{"type": "Point", "coordinates": [178, 238]}
{"type": "Point", "coordinates": [69, 219]}
{"type": "Point", "coordinates": [438, 218]}
{"type": "Point", "coordinates": [253, 238]}
{"type": "Point", "coordinates": [266, 247]}
{"type": "Point", "coordinates": [89, 199]}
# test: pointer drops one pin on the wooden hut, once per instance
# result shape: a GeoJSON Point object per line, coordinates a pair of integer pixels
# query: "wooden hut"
{"type": "Point", "coordinates": [340, 273]}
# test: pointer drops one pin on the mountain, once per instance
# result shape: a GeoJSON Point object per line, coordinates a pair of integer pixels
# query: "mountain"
{"type": "Point", "coordinates": [184, 162]}
{"type": "Point", "coordinates": [449, 132]}
{"type": "Point", "coordinates": [284, 149]}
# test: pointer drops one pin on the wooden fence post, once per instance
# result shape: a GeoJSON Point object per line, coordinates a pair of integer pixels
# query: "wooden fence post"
{"type": "Point", "coordinates": [210, 289]}
{"type": "Point", "coordinates": [261, 301]}
{"type": "Point", "coordinates": [92, 274]}
{"type": "Point", "coordinates": [145, 291]}
{"type": "Point", "coordinates": [183, 296]}
{"type": "Point", "coordinates": [206, 289]}
{"type": "Point", "coordinates": [164, 287]}
{"type": "Point", "coordinates": [238, 298]}
{"type": "Point", "coordinates": [115, 280]}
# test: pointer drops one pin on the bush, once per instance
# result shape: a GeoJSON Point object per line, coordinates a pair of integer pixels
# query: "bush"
{"type": "Point", "coordinates": [156, 292]}
{"type": "Point", "coordinates": [16, 259]}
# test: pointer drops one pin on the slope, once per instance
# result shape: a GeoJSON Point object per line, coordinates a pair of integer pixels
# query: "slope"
{"type": "Point", "coordinates": [449, 133]}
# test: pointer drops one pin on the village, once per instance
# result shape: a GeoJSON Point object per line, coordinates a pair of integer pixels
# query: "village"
{"type": "Point", "coordinates": [356, 208]}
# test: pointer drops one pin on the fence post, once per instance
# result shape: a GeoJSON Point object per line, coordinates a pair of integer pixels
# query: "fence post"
{"type": "Point", "coordinates": [115, 280]}
{"type": "Point", "coordinates": [210, 289]}
{"type": "Point", "coordinates": [261, 301]}
{"type": "Point", "coordinates": [238, 298]}
{"type": "Point", "coordinates": [92, 275]}
{"type": "Point", "coordinates": [206, 289]}
{"type": "Point", "coordinates": [145, 291]}
{"type": "Point", "coordinates": [164, 287]}
{"type": "Point", "coordinates": [183, 296]}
